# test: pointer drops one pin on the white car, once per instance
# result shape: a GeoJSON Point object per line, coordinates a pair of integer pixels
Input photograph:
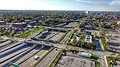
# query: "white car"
{"type": "Point", "coordinates": [36, 57]}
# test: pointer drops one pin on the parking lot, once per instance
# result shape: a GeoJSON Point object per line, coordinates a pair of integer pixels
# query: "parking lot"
{"type": "Point", "coordinates": [118, 64]}
{"type": "Point", "coordinates": [69, 61]}
{"type": "Point", "coordinates": [113, 43]}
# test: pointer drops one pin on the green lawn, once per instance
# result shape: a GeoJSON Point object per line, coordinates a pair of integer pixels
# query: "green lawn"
{"type": "Point", "coordinates": [94, 56]}
{"type": "Point", "coordinates": [56, 59]}
{"type": "Point", "coordinates": [103, 42]}
{"type": "Point", "coordinates": [28, 32]}
{"type": "Point", "coordinates": [69, 38]}
{"type": "Point", "coordinates": [3, 40]}
{"type": "Point", "coordinates": [97, 64]}
{"type": "Point", "coordinates": [113, 59]}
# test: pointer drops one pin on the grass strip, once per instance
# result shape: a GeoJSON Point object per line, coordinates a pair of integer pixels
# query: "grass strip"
{"type": "Point", "coordinates": [56, 59]}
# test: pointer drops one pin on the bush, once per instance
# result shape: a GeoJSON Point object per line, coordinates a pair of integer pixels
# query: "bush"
{"type": "Point", "coordinates": [95, 57]}
{"type": "Point", "coordinates": [56, 59]}
{"type": "Point", "coordinates": [103, 42]}
{"type": "Point", "coordinates": [3, 40]}
{"type": "Point", "coordinates": [69, 38]}
{"type": "Point", "coordinates": [97, 64]}
{"type": "Point", "coordinates": [113, 59]}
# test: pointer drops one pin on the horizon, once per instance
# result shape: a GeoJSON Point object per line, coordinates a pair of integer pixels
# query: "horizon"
{"type": "Point", "coordinates": [67, 5]}
{"type": "Point", "coordinates": [54, 10]}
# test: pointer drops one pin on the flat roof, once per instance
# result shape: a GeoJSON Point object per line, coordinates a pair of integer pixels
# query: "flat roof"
{"type": "Point", "coordinates": [87, 54]}
{"type": "Point", "coordinates": [2, 21]}
{"type": "Point", "coordinates": [20, 23]}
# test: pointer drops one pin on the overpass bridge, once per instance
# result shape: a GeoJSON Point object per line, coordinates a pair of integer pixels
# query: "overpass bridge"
{"type": "Point", "coordinates": [57, 29]}
{"type": "Point", "coordinates": [40, 43]}
{"type": "Point", "coordinates": [38, 39]}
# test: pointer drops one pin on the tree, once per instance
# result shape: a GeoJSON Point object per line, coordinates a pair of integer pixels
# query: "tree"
{"type": "Point", "coordinates": [12, 33]}
{"type": "Point", "coordinates": [74, 43]}
{"type": "Point", "coordinates": [0, 35]}
{"type": "Point", "coordinates": [95, 35]}
{"type": "Point", "coordinates": [102, 33]}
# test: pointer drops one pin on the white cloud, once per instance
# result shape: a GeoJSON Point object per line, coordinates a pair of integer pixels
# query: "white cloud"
{"type": "Point", "coordinates": [98, 2]}
{"type": "Point", "coordinates": [115, 2]}
{"type": "Point", "coordinates": [85, 1]}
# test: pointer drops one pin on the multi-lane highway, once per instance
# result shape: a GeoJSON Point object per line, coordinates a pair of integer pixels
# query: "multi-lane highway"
{"type": "Point", "coordinates": [57, 36]}
{"type": "Point", "coordinates": [8, 44]}
{"type": "Point", "coordinates": [12, 55]}
{"type": "Point", "coordinates": [9, 47]}
{"type": "Point", "coordinates": [64, 39]}
{"type": "Point", "coordinates": [28, 55]}
{"type": "Point", "coordinates": [5, 43]}
{"type": "Point", "coordinates": [47, 60]}
{"type": "Point", "coordinates": [29, 62]}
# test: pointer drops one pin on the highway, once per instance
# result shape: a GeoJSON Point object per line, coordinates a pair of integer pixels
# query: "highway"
{"type": "Point", "coordinates": [5, 43]}
{"type": "Point", "coordinates": [52, 35]}
{"type": "Point", "coordinates": [7, 48]}
{"type": "Point", "coordinates": [57, 28]}
{"type": "Point", "coordinates": [28, 55]}
{"type": "Point", "coordinates": [8, 45]}
{"type": "Point", "coordinates": [57, 36]}
{"type": "Point", "coordinates": [12, 55]}
{"type": "Point", "coordinates": [6, 64]}
{"type": "Point", "coordinates": [5, 53]}
{"type": "Point", "coordinates": [64, 39]}
{"type": "Point", "coordinates": [31, 61]}
{"type": "Point", "coordinates": [46, 61]}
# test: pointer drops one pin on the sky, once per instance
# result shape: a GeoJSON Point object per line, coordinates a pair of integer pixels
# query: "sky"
{"type": "Point", "coordinates": [79, 5]}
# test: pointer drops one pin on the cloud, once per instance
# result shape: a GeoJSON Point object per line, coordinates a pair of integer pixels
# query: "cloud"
{"type": "Point", "coordinates": [100, 2]}
{"type": "Point", "coordinates": [115, 2]}
{"type": "Point", "coordinates": [96, 2]}
{"type": "Point", "coordinates": [108, 5]}
{"type": "Point", "coordinates": [85, 1]}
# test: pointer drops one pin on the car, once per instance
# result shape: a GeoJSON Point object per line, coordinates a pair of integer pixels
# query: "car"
{"type": "Point", "coordinates": [64, 53]}
{"type": "Point", "coordinates": [36, 57]}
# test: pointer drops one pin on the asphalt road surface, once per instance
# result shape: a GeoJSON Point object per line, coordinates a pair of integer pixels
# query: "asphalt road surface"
{"type": "Point", "coordinates": [64, 39]}
{"type": "Point", "coordinates": [31, 53]}
{"type": "Point", "coordinates": [30, 61]}
{"type": "Point", "coordinates": [45, 62]}
{"type": "Point", "coordinates": [12, 55]}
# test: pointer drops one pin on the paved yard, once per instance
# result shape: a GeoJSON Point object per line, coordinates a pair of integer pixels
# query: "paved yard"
{"type": "Point", "coordinates": [118, 64]}
{"type": "Point", "coordinates": [68, 61]}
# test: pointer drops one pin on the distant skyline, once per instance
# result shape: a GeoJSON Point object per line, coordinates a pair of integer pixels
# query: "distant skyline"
{"type": "Point", "coordinates": [79, 5]}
